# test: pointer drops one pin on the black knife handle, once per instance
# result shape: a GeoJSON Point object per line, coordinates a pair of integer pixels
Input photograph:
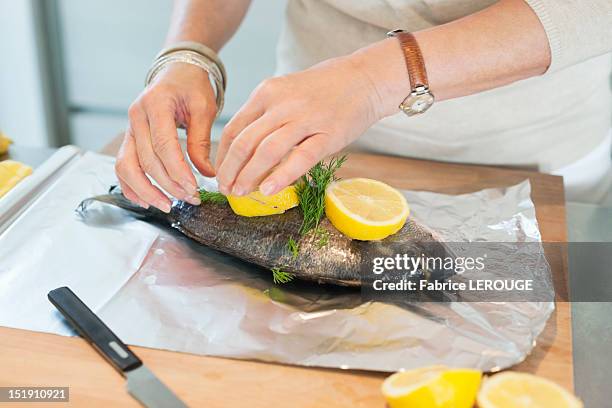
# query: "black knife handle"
{"type": "Point", "coordinates": [90, 327]}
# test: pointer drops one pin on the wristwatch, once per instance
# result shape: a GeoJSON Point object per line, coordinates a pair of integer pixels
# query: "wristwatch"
{"type": "Point", "coordinates": [420, 98]}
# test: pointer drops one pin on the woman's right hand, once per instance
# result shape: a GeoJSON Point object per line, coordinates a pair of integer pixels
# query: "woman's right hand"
{"type": "Point", "coordinates": [180, 95]}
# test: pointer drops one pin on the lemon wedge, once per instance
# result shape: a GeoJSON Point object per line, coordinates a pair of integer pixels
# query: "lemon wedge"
{"type": "Point", "coordinates": [365, 209]}
{"type": "Point", "coordinates": [11, 173]}
{"type": "Point", "coordinates": [4, 143]}
{"type": "Point", "coordinates": [509, 390]}
{"type": "Point", "coordinates": [432, 387]}
{"type": "Point", "coordinates": [257, 204]}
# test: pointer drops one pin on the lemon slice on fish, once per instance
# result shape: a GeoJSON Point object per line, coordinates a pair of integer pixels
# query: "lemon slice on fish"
{"type": "Point", "coordinates": [432, 387]}
{"type": "Point", "coordinates": [11, 173]}
{"type": "Point", "coordinates": [257, 204]}
{"type": "Point", "coordinates": [509, 389]}
{"type": "Point", "coordinates": [365, 209]}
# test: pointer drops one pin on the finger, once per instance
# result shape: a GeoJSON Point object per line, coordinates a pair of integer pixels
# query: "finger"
{"type": "Point", "coordinates": [198, 137]}
{"type": "Point", "coordinates": [267, 155]}
{"type": "Point", "coordinates": [249, 113]}
{"type": "Point", "coordinates": [131, 195]}
{"type": "Point", "coordinates": [152, 166]}
{"type": "Point", "coordinates": [241, 150]}
{"type": "Point", "coordinates": [150, 163]}
{"type": "Point", "coordinates": [300, 160]}
{"type": "Point", "coordinates": [164, 139]}
{"type": "Point", "coordinates": [128, 170]}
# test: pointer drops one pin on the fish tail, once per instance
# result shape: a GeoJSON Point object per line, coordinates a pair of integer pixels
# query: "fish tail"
{"type": "Point", "coordinates": [116, 198]}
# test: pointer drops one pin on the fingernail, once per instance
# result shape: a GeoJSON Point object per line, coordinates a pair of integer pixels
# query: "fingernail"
{"type": "Point", "coordinates": [189, 188]}
{"type": "Point", "coordinates": [238, 191]}
{"type": "Point", "coordinates": [193, 200]}
{"type": "Point", "coordinates": [223, 189]}
{"type": "Point", "coordinates": [143, 205]}
{"type": "Point", "coordinates": [267, 188]}
{"type": "Point", "coordinates": [164, 206]}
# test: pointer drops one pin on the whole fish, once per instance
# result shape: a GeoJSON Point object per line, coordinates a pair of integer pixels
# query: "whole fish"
{"type": "Point", "coordinates": [325, 255]}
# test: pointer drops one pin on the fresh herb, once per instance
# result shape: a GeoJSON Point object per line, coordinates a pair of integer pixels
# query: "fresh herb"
{"type": "Point", "coordinates": [311, 192]}
{"type": "Point", "coordinates": [293, 247]}
{"type": "Point", "coordinates": [212, 197]}
{"type": "Point", "coordinates": [322, 237]}
{"type": "Point", "coordinates": [279, 276]}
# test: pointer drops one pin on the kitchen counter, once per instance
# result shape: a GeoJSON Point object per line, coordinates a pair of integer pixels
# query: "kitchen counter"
{"type": "Point", "coordinates": [30, 358]}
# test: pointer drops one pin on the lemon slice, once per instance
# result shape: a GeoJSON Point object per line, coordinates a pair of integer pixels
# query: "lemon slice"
{"type": "Point", "coordinates": [365, 209]}
{"type": "Point", "coordinates": [509, 390]}
{"type": "Point", "coordinates": [257, 204]}
{"type": "Point", "coordinates": [432, 387]}
{"type": "Point", "coordinates": [4, 143]}
{"type": "Point", "coordinates": [11, 173]}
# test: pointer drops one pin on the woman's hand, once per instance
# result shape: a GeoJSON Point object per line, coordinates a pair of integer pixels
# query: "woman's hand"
{"type": "Point", "coordinates": [180, 95]}
{"type": "Point", "coordinates": [303, 117]}
{"type": "Point", "coordinates": [308, 115]}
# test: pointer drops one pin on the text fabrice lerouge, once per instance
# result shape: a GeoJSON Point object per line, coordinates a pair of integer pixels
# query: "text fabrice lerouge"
{"type": "Point", "coordinates": [450, 286]}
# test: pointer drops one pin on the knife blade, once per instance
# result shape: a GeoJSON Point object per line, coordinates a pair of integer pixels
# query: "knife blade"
{"type": "Point", "coordinates": [142, 384]}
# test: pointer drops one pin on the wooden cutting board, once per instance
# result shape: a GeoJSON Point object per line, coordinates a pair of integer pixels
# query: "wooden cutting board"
{"type": "Point", "coordinates": [29, 358]}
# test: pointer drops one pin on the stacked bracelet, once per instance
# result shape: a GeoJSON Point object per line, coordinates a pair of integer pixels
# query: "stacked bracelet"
{"type": "Point", "coordinates": [198, 55]}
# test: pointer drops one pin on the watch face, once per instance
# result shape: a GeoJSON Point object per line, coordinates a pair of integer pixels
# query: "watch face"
{"type": "Point", "coordinates": [416, 104]}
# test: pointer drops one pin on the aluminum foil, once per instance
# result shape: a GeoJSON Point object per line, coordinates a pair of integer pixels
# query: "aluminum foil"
{"type": "Point", "coordinates": [186, 297]}
{"type": "Point", "coordinates": [49, 246]}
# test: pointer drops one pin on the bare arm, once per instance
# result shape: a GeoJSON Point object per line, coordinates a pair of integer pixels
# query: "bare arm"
{"type": "Point", "coordinates": [210, 22]}
{"type": "Point", "coordinates": [299, 119]}
{"type": "Point", "coordinates": [181, 94]}
{"type": "Point", "coordinates": [499, 45]}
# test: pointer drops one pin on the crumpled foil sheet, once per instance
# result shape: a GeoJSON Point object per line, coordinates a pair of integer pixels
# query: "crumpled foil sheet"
{"type": "Point", "coordinates": [186, 297]}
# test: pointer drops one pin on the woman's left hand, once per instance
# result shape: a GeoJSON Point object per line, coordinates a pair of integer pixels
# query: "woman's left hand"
{"type": "Point", "coordinates": [303, 117]}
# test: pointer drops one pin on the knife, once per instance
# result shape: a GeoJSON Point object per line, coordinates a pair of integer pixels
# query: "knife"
{"type": "Point", "coordinates": [142, 384]}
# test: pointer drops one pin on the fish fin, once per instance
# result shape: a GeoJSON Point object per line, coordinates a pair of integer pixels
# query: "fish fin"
{"type": "Point", "coordinates": [114, 189]}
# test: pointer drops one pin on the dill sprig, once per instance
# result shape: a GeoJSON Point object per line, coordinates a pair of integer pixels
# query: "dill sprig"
{"type": "Point", "coordinates": [212, 197]}
{"type": "Point", "coordinates": [322, 237]}
{"type": "Point", "coordinates": [311, 192]}
{"type": "Point", "coordinates": [279, 276]}
{"type": "Point", "coordinates": [293, 247]}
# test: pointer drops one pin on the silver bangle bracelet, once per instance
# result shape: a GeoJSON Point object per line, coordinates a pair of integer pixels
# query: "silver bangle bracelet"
{"type": "Point", "coordinates": [194, 58]}
{"type": "Point", "coordinates": [200, 49]}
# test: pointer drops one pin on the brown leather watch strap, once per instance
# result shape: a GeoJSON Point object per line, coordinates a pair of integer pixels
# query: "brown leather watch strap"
{"type": "Point", "coordinates": [414, 59]}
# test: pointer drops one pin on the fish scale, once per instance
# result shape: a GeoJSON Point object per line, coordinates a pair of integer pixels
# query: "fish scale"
{"type": "Point", "coordinates": [263, 240]}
